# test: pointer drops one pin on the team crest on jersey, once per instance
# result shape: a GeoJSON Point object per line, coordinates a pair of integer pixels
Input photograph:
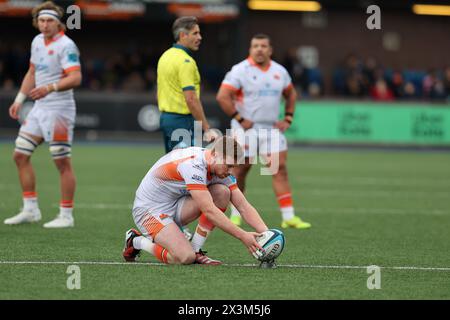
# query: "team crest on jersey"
{"type": "Point", "coordinates": [40, 67]}
{"type": "Point", "coordinates": [163, 216]}
{"type": "Point", "coordinates": [72, 57]}
{"type": "Point", "coordinates": [187, 60]}
{"type": "Point", "coordinates": [51, 52]}
{"type": "Point", "coordinates": [276, 76]}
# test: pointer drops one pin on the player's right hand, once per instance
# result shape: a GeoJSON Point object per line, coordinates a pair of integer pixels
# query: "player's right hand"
{"type": "Point", "coordinates": [249, 240]}
{"type": "Point", "coordinates": [246, 124]}
{"type": "Point", "coordinates": [14, 110]}
{"type": "Point", "coordinates": [39, 92]}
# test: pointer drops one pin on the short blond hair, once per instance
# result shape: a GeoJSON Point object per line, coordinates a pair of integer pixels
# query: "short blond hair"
{"type": "Point", "coordinates": [228, 147]}
{"type": "Point", "coordinates": [47, 5]}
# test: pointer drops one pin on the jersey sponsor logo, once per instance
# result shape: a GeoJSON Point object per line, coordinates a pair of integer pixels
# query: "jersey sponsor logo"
{"type": "Point", "coordinates": [72, 57]}
{"type": "Point", "coordinates": [198, 167]}
{"type": "Point", "coordinates": [269, 92]}
{"type": "Point", "coordinates": [198, 178]}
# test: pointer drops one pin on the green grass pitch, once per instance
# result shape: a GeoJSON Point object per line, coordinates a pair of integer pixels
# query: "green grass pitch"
{"type": "Point", "coordinates": [390, 209]}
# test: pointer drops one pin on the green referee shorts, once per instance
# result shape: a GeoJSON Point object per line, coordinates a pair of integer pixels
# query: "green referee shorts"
{"type": "Point", "coordinates": [169, 122]}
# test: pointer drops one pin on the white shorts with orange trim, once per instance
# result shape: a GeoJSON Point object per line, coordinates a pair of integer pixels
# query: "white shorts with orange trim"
{"type": "Point", "coordinates": [52, 124]}
{"type": "Point", "coordinates": [261, 139]}
{"type": "Point", "coordinates": [150, 224]}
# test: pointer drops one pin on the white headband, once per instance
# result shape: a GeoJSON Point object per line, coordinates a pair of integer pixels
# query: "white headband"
{"type": "Point", "coordinates": [49, 14]}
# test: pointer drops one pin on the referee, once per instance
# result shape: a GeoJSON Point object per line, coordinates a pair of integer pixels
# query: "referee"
{"type": "Point", "coordinates": [178, 82]}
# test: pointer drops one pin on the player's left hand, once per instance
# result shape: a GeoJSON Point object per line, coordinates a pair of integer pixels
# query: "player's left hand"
{"type": "Point", "coordinates": [282, 125]}
{"type": "Point", "coordinates": [39, 93]}
{"type": "Point", "coordinates": [249, 240]}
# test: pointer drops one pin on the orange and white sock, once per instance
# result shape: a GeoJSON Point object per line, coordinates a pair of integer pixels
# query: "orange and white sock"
{"type": "Point", "coordinates": [202, 231]}
{"type": "Point", "coordinates": [160, 253]}
{"type": "Point", "coordinates": [30, 201]}
{"type": "Point", "coordinates": [286, 205]}
{"type": "Point", "coordinates": [143, 243]}
{"type": "Point", "coordinates": [66, 208]}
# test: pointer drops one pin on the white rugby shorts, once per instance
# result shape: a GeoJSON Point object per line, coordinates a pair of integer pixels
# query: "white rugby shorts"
{"type": "Point", "coordinates": [151, 223]}
{"type": "Point", "coordinates": [261, 139]}
{"type": "Point", "coordinates": [52, 124]}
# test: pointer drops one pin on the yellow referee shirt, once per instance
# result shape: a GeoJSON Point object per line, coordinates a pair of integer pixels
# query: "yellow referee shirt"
{"type": "Point", "coordinates": [177, 72]}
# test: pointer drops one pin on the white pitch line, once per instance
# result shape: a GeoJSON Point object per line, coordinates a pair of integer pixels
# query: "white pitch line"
{"type": "Point", "coordinates": [354, 193]}
{"type": "Point", "coordinates": [319, 210]}
{"type": "Point", "coordinates": [118, 206]}
{"type": "Point", "coordinates": [372, 181]}
{"type": "Point", "coordinates": [369, 211]}
{"type": "Point", "coordinates": [245, 265]}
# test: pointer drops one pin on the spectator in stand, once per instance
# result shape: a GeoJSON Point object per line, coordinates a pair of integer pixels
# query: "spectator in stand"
{"type": "Point", "coordinates": [370, 71]}
{"type": "Point", "coordinates": [134, 71]}
{"type": "Point", "coordinates": [296, 69]}
{"type": "Point", "coordinates": [91, 76]}
{"type": "Point", "coordinates": [397, 84]}
{"type": "Point", "coordinates": [381, 92]}
{"type": "Point", "coordinates": [2, 72]}
{"type": "Point", "coordinates": [409, 91]}
{"type": "Point", "coordinates": [8, 85]}
{"type": "Point", "coordinates": [428, 83]}
{"type": "Point", "coordinates": [354, 77]}
{"type": "Point", "coordinates": [438, 91]}
{"type": "Point", "coordinates": [447, 82]}
{"type": "Point", "coordinates": [133, 83]}
{"type": "Point", "coordinates": [433, 86]}
{"type": "Point", "coordinates": [110, 77]}
{"type": "Point", "coordinates": [150, 78]}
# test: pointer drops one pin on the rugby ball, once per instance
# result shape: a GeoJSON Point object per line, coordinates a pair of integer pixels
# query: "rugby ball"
{"type": "Point", "coordinates": [272, 242]}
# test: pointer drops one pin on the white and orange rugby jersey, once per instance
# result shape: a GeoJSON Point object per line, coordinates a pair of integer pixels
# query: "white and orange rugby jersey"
{"type": "Point", "coordinates": [258, 90]}
{"type": "Point", "coordinates": [173, 176]}
{"type": "Point", "coordinates": [52, 61]}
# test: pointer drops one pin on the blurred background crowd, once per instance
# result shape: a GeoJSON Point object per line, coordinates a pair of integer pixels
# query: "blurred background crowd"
{"type": "Point", "coordinates": [355, 76]}
{"type": "Point", "coordinates": [350, 78]}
